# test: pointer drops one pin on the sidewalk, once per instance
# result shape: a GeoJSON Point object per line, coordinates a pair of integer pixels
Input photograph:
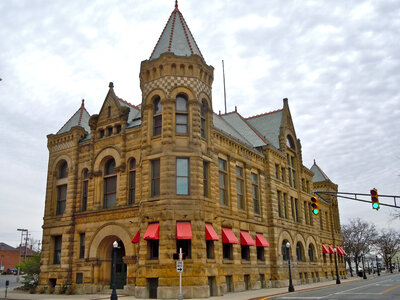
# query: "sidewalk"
{"type": "Point", "coordinates": [251, 294]}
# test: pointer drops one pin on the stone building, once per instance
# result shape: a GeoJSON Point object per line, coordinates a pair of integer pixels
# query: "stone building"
{"type": "Point", "coordinates": [169, 173]}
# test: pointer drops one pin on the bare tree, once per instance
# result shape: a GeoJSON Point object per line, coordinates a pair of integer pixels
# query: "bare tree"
{"type": "Point", "coordinates": [358, 238]}
{"type": "Point", "coordinates": [388, 244]}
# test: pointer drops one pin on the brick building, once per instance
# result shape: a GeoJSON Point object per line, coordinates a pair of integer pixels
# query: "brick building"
{"type": "Point", "coordinates": [169, 173]}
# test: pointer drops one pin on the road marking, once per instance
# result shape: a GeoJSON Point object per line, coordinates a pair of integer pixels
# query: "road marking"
{"type": "Point", "coordinates": [390, 289]}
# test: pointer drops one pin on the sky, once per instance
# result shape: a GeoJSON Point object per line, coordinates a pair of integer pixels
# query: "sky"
{"type": "Point", "coordinates": [338, 63]}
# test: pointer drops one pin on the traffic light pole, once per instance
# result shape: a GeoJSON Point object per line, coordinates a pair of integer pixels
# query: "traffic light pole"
{"type": "Point", "coordinates": [355, 197]}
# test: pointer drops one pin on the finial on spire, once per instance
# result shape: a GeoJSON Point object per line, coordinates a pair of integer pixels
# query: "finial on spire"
{"type": "Point", "coordinates": [314, 162]}
{"type": "Point", "coordinates": [176, 4]}
{"type": "Point", "coordinates": [83, 103]}
{"type": "Point", "coordinates": [111, 85]}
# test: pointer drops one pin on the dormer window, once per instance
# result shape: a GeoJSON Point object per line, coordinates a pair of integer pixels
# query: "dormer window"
{"type": "Point", "coordinates": [101, 133]}
{"type": "Point", "coordinates": [290, 142]}
{"type": "Point", "coordinates": [181, 117]}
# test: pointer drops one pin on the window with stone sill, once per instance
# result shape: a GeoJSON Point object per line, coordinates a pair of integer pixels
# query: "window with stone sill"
{"type": "Point", "coordinates": [240, 188]}
{"type": "Point", "coordinates": [132, 181]}
{"type": "Point", "coordinates": [57, 240]}
{"type": "Point", "coordinates": [181, 115]}
{"type": "Point", "coordinates": [157, 117]}
{"type": "Point", "coordinates": [110, 184]}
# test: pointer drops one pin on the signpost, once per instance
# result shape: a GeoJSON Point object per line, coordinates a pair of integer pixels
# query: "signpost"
{"type": "Point", "coordinates": [7, 284]}
{"type": "Point", "coordinates": [179, 269]}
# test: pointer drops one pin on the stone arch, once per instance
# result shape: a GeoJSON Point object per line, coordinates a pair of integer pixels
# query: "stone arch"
{"type": "Point", "coordinates": [311, 240]}
{"type": "Point", "coordinates": [107, 234]}
{"type": "Point", "coordinates": [148, 101]}
{"type": "Point", "coordinates": [285, 235]}
{"type": "Point", "coordinates": [105, 153]}
{"type": "Point", "coordinates": [58, 161]}
{"type": "Point", "coordinates": [182, 90]}
{"type": "Point", "coordinates": [204, 97]}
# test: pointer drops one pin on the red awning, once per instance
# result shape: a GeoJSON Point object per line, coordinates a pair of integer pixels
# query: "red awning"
{"type": "Point", "coordinates": [246, 239]}
{"type": "Point", "coordinates": [331, 251]}
{"type": "Point", "coordinates": [136, 239]}
{"type": "Point", "coordinates": [261, 241]}
{"type": "Point", "coordinates": [152, 232]}
{"type": "Point", "coordinates": [211, 235]}
{"type": "Point", "coordinates": [183, 231]}
{"type": "Point", "coordinates": [325, 249]}
{"type": "Point", "coordinates": [341, 251]}
{"type": "Point", "coordinates": [228, 237]}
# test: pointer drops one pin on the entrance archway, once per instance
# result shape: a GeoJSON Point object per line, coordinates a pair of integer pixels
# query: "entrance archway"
{"type": "Point", "coordinates": [120, 268]}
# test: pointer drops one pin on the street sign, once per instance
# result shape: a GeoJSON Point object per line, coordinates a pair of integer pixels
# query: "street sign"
{"type": "Point", "coordinates": [179, 266]}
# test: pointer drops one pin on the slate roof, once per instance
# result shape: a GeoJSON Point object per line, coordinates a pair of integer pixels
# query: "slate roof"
{"type": "Point", "coordinates": [176, 38]}
{"type": "Point", "coordinates": [268, 125]}
{"type": "Point", "coordinates": [319, 175]}
{"type": "Point", "coordinates": [80, 118]}
{"type": "Point", "coordinates": [5, 247]}
{"type": "Point", "coordinates": [134, 118]}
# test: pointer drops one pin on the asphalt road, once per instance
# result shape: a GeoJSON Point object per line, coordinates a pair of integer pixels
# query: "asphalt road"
{"type": "Point", "coordinates": [386, 287]}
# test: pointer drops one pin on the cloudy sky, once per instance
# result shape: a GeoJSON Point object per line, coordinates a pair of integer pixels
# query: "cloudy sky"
{"type": "Point", "coordinates": [338, 63]}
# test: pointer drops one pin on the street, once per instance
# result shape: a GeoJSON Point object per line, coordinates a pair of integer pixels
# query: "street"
{"type": "Point", "coordinates": [386, 287]}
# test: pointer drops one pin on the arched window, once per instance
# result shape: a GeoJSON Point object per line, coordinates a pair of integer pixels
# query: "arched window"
{"type": "Point", "coordinates": [85, 186]}
{"type": "Point", "coordinates": [311, 252]}
{"type": "Point", "coordinates": [181, 116]}
{"type": "Point", "coordinates": [62, 188]}
{"type": "Point", "coordinates": [110, 184]}
{"type": "Point", "coordinates": [290, 142]}
{"type": "Point", "coordinates": [285, 251]}
{"type": "Point", "coordinates": [132, 181]}
{"type": "Point", "coordinates": [299, 252]}
{"type": "Point", "coordinates": [203, 110]}
{"type": "Point", "coordinates": [157, 117]}
{"type": "Point", "coordinates": [63, 170]}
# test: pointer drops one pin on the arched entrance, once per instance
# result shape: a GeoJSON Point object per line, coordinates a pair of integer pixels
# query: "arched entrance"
{"type": "Point", "coordinates": [120, 268]}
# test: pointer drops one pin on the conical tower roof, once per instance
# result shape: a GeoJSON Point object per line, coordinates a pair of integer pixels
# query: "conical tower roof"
{"type": "Point", "coordinates": [319, 175]}
{"type": "Point", "coordinates": [176, 38]}
{"type": "Point", "coordinates": [80, 118]}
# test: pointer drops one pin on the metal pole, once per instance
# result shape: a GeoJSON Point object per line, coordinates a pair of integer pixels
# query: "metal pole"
{"type": "Point", "coordinates": [377, 266]}
{"type": "Point", "coordinates": [364, 276]}
{"type": "Point", "coordinates": [291, 288]}
{"type": "Point", "coordinates": [223, 74]}
{"type": "Point", "coordinates": [180, 297]}
{"type": "Point", "coordinates": [20, 245]}
{"type": "Point", "coordinates": [114, 267]}
{"type": "Point", "coordinates": [337, 272]}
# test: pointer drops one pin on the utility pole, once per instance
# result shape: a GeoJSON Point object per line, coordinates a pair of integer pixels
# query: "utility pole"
{"type": "Point", "coordinates": [20, 245]}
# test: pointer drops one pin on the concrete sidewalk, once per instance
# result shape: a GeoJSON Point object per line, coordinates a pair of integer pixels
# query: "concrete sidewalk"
{"type": "Point", "coordinates": [251, 294]}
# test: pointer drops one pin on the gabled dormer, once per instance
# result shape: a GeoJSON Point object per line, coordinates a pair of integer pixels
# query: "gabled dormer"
{"type": "Point", "coordinates": [114, 117]}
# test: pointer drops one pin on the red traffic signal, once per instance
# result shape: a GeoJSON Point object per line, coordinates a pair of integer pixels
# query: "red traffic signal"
{"type": "Point", "coordinates": [315, 205]}
{"type": "Point", "coordinates": [375, 199]}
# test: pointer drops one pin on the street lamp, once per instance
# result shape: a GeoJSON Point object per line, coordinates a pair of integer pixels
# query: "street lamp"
{"type": "Point", "coordinates": [291, 288]}
{"type": "Point", "coordinates": [114, 267]}
{"type": "Point", "coordinates": [337, 272]}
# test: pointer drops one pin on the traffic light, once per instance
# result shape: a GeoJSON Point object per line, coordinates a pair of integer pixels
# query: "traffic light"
{"type": "Point", "coordinates": [315, 205]}
{"type": "Point", "coordinates": [375, 199]}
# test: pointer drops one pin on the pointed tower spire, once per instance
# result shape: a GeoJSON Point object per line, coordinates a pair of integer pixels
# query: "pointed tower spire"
{"type": "Point", "coordinates": [176, 38]}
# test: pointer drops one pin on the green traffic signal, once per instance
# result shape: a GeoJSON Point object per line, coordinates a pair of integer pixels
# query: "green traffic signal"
{"type": "Point", "coordinates": [375, 206]}
{"type": "Point", "coordinates": [374, 199]}
{"type": "Point", "coordinates": [315, 211]}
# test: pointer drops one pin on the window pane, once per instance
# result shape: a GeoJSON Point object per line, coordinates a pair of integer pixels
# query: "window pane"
{"type": "Point", "coordinates": [222, 164]}
{"type": "Point", "coordinates": [157, 106]}
{"type": "Point", "coordinates": [157, 125]}
{"type": "Point", "coordinates": [205, 178]}
{"type": "Point", "coordinates": [181, 104]}
{"type": "Point", "coordinates": [110, 167]}
{"type": "Point", "coordinates": [182, 165]}
{"type": "Point", "coordinates": [182, 186]}
{"type": "Point", "coordinates": [222, 180]}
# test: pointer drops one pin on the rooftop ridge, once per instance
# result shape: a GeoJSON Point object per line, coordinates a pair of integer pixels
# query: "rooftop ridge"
{"type": "Point", "coordinates": [128, 103]}
{"type": "Point", "coordinates": [254, 130]}
{"type": "Point", "coordinates": [265, 114]}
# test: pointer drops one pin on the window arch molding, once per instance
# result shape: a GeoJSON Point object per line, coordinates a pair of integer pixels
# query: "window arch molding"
{"type": "Point", "coordinates": [57, 164]}
{"type": "Point", "coordinates": [290, 142]}
{"type": "Point", "coordinates": [100, 158]}
{"type": "Point", "coordinates": [300, 252]}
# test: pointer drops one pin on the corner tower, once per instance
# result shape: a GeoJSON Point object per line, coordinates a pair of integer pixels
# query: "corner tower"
{"type": "Point", "coordinates": [176, 89]}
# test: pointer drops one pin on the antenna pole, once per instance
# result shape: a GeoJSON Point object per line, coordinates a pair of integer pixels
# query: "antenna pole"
{"type": "Point", "coordinates": [223, 74]}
